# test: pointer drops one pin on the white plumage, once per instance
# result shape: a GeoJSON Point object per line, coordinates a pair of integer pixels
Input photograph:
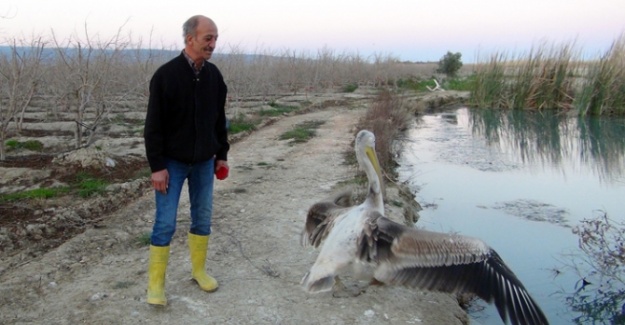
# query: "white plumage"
{"type": "Point", "coordinates": [360, 241]}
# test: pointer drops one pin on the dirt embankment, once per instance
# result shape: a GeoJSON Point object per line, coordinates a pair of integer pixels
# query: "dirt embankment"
{"type": "Point", "coordinates": [99, 276]}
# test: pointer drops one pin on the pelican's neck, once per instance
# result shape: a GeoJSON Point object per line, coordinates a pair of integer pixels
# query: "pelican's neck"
{"type": "Point", "coordinates": [374, 196]}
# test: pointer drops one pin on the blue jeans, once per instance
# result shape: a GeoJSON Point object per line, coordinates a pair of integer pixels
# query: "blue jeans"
{"type": "Point", "coordinates": [200, 178]}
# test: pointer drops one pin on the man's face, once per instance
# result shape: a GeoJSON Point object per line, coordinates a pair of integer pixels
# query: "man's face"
{"type": "Point", "coordinates": [203, 43]}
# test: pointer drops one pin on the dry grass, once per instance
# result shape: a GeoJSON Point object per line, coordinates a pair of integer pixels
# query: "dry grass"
{"type": "Point", "coordinates": [387, 118]}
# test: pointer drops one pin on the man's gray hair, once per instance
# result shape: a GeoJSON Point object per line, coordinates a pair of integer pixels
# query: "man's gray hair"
{"type": "Point", "coordinates": [189, 26]}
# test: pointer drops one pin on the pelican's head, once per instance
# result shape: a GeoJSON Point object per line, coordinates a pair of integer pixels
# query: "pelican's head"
{"type": "Point", "coordinates": [367, 158]}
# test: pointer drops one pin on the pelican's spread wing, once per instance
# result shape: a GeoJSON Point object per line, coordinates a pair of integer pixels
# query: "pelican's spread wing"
{"type": "Point", "coordinates": [320, 217]}
{"type": "Point", "coordinates": [446, 262]}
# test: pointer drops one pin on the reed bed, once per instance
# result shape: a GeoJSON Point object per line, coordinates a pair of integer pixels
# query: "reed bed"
{"type": "Point", "coordinates": [604, 89]}
{"type": "Point", "coordinates": [553, 77]}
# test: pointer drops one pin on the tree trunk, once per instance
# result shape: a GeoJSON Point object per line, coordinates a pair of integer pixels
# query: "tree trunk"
{"type": "Point", "coordinates": [2, 146]}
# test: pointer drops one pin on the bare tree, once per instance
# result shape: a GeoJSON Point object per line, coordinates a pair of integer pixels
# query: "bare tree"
{"type": "Point", "coordinates": [9, 13]}
{"type": "Point", "coordinates": [83, 76]}
{"type": "Point", "coordinates": [144, 59]}
{"type": "Point", "coordinates": [20, 77]}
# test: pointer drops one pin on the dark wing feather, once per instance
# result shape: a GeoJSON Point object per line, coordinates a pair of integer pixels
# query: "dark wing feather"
{"type": "Point", "coordinates": [490, 280]}
{"type": "Point", "coordinates": [448, 263]}
{"type": "Point", "coordinates": [320, 217]}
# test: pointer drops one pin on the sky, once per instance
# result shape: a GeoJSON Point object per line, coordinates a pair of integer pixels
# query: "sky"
{"type": "Point", "coordinates": [409, 30]}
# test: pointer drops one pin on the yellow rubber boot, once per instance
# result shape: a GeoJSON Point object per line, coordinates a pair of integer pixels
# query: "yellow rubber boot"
{"type": "Point", "coordinates": [156, 275]}
{"type": "Point", "coordinates": [198, 247]}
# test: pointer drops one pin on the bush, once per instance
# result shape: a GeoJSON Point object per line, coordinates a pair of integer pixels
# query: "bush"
{"type": "Point", "coordinates": [450, 64]}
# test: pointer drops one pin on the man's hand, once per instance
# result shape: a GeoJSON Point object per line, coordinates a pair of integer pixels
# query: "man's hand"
{"type": "Point", "coordinates": [160, 180]}
{"type": "Point", "coordinates": [223, 166]}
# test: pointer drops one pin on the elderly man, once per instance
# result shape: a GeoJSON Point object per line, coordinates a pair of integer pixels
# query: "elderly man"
{"type": "Point", "coordinates": [185, 139]}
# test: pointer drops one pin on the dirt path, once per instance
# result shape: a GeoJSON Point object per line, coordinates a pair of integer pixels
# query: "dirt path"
{"type": "Point", "coordinates": [99, 277]}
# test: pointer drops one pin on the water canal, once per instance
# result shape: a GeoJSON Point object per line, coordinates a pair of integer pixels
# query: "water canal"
{"type": "Point", "coordinates": [521, 181]}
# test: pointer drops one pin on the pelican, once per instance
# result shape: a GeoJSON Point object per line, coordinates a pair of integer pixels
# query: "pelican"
{"type": "Point", "coordinates": [361, 241]}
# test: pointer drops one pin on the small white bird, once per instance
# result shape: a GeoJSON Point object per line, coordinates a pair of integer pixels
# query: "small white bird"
{"type": "Point", "coordinates": [361, 241]}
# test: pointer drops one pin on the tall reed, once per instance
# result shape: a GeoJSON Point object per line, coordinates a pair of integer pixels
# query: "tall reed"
{"type": "Point", "coordinates": [553, 77]}
{"type": "Point", "coordinates": [489, 86]}
{"type": "Point", "coordinates": [543, 82]}
{"type": "Point", "coordinates": [604, 88]}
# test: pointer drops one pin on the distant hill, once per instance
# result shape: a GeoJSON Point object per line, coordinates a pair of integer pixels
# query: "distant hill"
{"type": "Point", "coordinates": [52, 52]}
{"type": "Point", "coordinates": [141, 54]}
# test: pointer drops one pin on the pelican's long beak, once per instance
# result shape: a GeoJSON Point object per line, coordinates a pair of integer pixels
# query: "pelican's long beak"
{"type": "Point", "coordinates": [373, 158]}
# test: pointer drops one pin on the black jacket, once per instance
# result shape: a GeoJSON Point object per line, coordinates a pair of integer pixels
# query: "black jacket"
{"type": "Point", "coordinates": [186, 118]}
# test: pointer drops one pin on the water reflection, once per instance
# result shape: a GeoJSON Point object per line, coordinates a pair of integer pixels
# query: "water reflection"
{"type": "Point", "coordinates": [498, 175]}
{"type": "Point", "coordinates": [549, 139]}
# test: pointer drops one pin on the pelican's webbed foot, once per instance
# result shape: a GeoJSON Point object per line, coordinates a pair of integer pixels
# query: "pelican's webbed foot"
{"type": "Point", "coordinates": [340, 290]}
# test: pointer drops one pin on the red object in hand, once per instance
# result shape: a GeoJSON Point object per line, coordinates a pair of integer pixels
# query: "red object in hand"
{"type": "Point", "coordinates": [221, 173]}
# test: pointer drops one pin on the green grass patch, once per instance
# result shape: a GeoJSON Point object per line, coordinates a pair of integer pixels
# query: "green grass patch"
{"type": "Point", "coordinates": [350, 87]}
{"type": "Point", "coordinates": [124, 284]}
{"type": "Point", "coordinates": [241, 124]}
{"type": "Point", "coordinates": [84, 185]}
{"type": "Point", "coordinates": [144, 172]}
{"type": "Point", "coordinates": [119, 119]}
{"type": "Point", "coordinates": [461, 84]}
{"type": "Point", "coordinates": [39, 193]}
{"type": "Point", "coordinates": [265, 165]}
{"type": "Point", "coordinates": [278, 109]}
{"type": "Point", "coordinates": [32, 145]}
{"type": "Point", "coordinates": [12, 144]}
{"type": "Point", "coordinates": [359, 180]}
{"type": "Point", "coordinates": [302, 132]}
{"type": "Point", "coordinates": [137, 131]}
{"type": "Point", "coordinates": [144, 239]}
{"type": "Point", "coordinates": [87, 185]}
{"type": "Point", "coordinates": [415, 84]}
